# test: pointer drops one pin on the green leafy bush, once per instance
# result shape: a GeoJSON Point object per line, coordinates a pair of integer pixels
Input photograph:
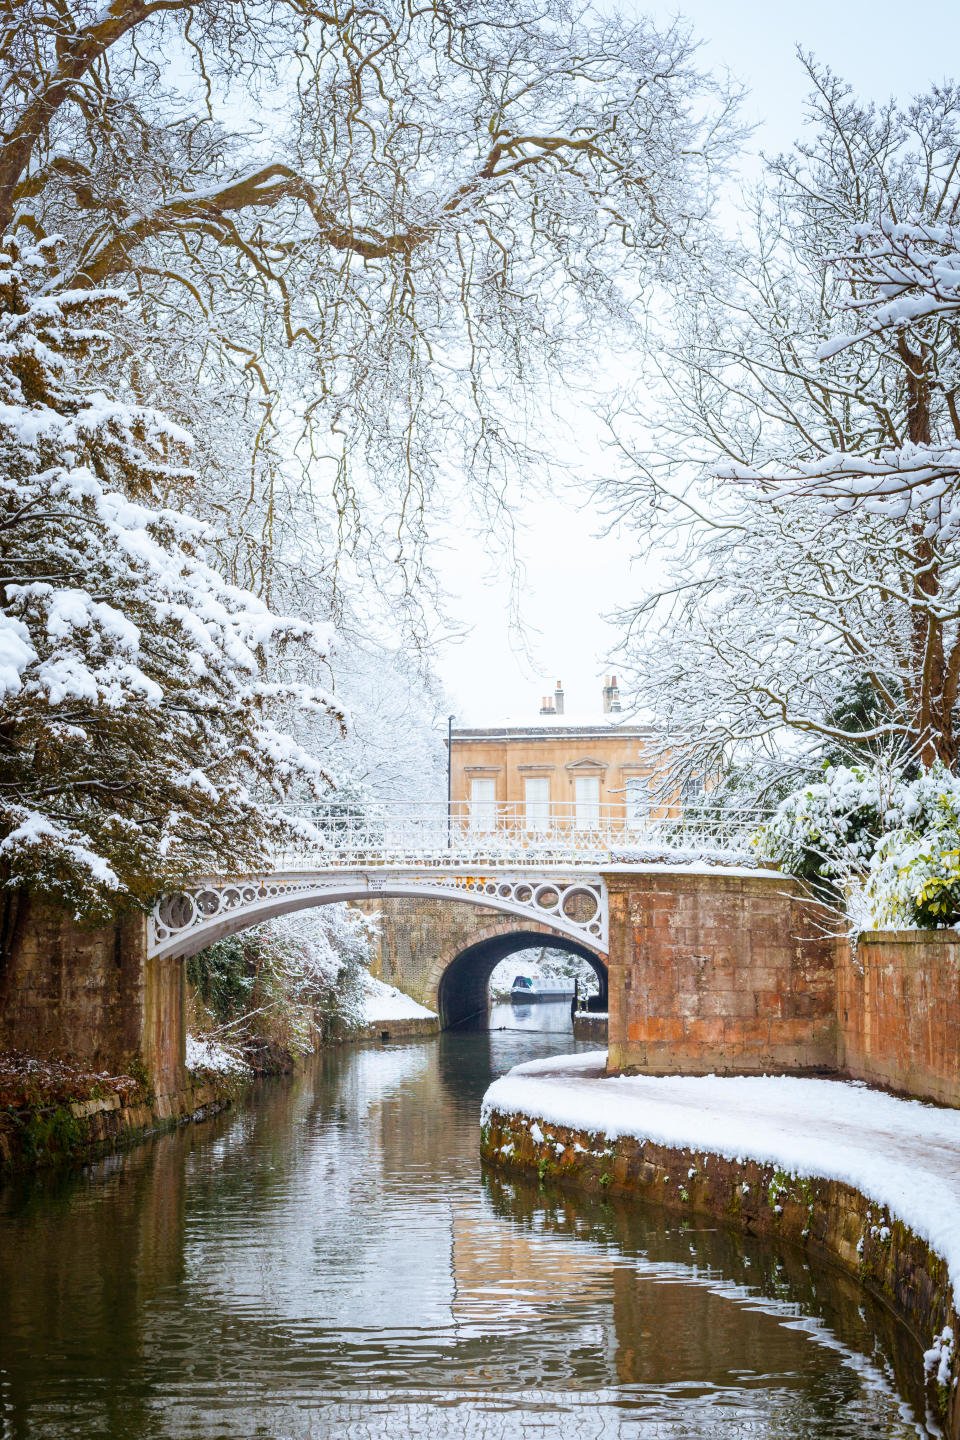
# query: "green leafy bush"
{"type": "Point", "coordinates": [870, 834]}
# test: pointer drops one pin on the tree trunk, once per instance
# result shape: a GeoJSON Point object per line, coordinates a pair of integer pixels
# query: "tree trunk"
{"type": "Point", "coordinates": [933, 719]}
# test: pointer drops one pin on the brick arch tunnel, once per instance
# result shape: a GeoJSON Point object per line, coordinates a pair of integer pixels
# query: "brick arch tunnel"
{"type": "Point", "coordinates": [462, 994]}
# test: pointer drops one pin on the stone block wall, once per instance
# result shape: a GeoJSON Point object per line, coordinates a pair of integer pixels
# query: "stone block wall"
{"type": "Point", "coordinates": [718, 972]}
{"type": "Point", "coordinates": [419, 938]}
{"type": "Point", "coordinates": [898, 1011]}
{"type": "Point", "coordinates": [90, 993]}
{"type": "Point", "coordinates": [414, 1027]}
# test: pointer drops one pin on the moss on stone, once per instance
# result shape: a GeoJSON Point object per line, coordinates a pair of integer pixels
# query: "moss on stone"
{"type": "Point", "coordinates": [824, 1215]}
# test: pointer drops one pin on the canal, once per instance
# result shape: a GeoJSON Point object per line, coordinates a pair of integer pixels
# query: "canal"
{"type": "Point", "coordinates": [330, 1261]}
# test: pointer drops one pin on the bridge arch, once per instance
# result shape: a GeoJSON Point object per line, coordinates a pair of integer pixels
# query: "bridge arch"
{"type": "Point", "coordinates": [181, 924]}
{"type": "Point", "coordinates": [462, 991]}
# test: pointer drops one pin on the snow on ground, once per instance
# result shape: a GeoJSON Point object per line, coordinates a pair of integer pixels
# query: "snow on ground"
{"type": "Point", "coordinates": [383, 1002]}
{"type": "Point", "coordinates": [900, 1153]}
{"type": "Point", "coordinates": [204, 1053]}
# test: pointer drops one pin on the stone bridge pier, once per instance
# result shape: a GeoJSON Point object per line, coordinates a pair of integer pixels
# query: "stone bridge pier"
{"type": "Point", "coordinates": [720, 971]}
{"type": "Point", "coordinates": [443, 952]}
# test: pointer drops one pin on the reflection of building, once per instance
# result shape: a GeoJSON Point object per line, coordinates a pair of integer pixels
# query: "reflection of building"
{"type": "Point", "coordinates": [509, 1271]}
{"type": "Point", "coordinates": [556, 769]}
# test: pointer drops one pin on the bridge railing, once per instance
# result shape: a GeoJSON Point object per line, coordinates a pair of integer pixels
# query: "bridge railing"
{"type": "Point", "coordinates": [397, 834]}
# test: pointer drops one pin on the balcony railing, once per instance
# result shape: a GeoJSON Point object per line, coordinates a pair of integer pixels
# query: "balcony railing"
{"type": "Point", "coordinates": [403, 835]}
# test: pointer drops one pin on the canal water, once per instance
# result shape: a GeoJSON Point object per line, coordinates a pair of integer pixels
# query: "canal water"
{"type": "Point", "coordinates": [330, 1261]}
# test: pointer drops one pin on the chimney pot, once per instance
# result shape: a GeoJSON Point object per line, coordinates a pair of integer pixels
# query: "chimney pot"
{"type": "Point", "coordinates": [611, 696]}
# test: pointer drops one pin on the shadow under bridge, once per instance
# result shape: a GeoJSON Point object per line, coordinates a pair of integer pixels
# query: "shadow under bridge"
{"type": "Point", "coordinates": [463, 993]}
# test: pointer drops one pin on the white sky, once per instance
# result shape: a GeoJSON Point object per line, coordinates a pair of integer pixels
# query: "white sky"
{"type": "Point", "coordinates": [573, 578]}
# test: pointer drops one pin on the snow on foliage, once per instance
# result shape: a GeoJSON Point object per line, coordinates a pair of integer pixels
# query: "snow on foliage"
{"type": "Point", "coordinates": [205, 1053]}
{"type": "Point", "coordinates": [914, 874]}
{"type": "Point", "coordinates": [323, 956]}
{"type": "Point", "coordinates": [295, 981]}
{"type": "Point", "coordinates": [888, 847]}
{"type": "Point", "coordinates": [830, 827]}
{"type": "Point", "coordinates": [938, 1359]}
{"type": "Point", "coordinates": [31, 1082]}
{"type": "Point", "coordinates": [141, 690]}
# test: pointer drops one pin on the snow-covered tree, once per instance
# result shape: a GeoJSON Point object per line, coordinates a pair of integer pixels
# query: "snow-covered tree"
{"type": "Point", "coordinates": [379, 230]}
{"type": "Point", "coordinates": [138, 738]}
{"type": "Point", "coordinates": [802, 467]}
{"type": "Point", "coordinates": [394, 749]}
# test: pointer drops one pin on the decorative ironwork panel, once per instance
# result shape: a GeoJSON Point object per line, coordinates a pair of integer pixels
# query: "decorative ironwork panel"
{"type": "Point", "coordinates": [185, 922]}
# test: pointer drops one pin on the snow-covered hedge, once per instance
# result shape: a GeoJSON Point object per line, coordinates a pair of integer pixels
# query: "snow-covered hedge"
{"type": "Point", "coordinates": [888, 845]}
{"type": "Point", "coordinates": [830, 827]}
{"type": "Point", "coordinates": [914, 874]}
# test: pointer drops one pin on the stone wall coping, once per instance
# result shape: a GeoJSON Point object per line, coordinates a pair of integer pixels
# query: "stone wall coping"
{"type": "Point", "coordinates": [698, 870]}
{"type": "Point", "coordinates": [909, 937]}
{"type": "Point", "coordinates": [81, 1109]}
{"type": "Point", "coordinates": [819, 1215]}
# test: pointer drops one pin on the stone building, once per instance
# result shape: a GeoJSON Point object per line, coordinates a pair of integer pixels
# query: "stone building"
{"type": "Point", "coordinates": [556, 769]}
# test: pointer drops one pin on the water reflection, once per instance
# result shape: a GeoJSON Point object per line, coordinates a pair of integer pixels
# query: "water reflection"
{"type": "Point", "coordinates": [330, 1261]}
{"type": "Point", "coordinates": [544, 1016]}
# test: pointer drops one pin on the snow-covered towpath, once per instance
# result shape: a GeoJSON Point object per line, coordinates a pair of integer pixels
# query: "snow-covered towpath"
{"type": "Point", "coordinates": [900, 1153]}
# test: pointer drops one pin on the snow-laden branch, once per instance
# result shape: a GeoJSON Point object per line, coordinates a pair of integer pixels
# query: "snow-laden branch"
{"type": "Point", "coordinates": [911, 482]}
{"type": "Point", "coordinates": [362, 243]}
{"type": "Point", "coordinates": [899, 274]}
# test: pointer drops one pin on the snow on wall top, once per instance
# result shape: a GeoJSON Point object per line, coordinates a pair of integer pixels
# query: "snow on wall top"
{"type": "Point", "coordinates": [586, 720]}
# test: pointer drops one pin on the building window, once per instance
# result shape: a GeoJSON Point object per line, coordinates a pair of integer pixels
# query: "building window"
{"type": "Point", "coordinates": [586, 791]}
{"type": "Point", "coordinates": [483, 804]}
{"type": "Point", "coordinates": [693, 789]}
{"type": "Point", "coordinates": [638, 799]}
{"type": "Point", "coordinates": [536, 796]}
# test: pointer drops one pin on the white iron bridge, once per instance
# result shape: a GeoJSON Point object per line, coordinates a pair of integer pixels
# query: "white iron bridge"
{"type": "Point", "coordinates": [544, 867]}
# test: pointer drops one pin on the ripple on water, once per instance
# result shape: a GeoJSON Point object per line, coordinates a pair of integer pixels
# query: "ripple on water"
{"type": "Point", "coordinates": [330, 1261]}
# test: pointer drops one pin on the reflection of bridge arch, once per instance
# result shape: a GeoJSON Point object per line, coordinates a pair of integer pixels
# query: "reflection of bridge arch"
{"type": "Point", "coordinates": [572, 904]}
{"type": "Point", "coordinates": [462, 992]}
